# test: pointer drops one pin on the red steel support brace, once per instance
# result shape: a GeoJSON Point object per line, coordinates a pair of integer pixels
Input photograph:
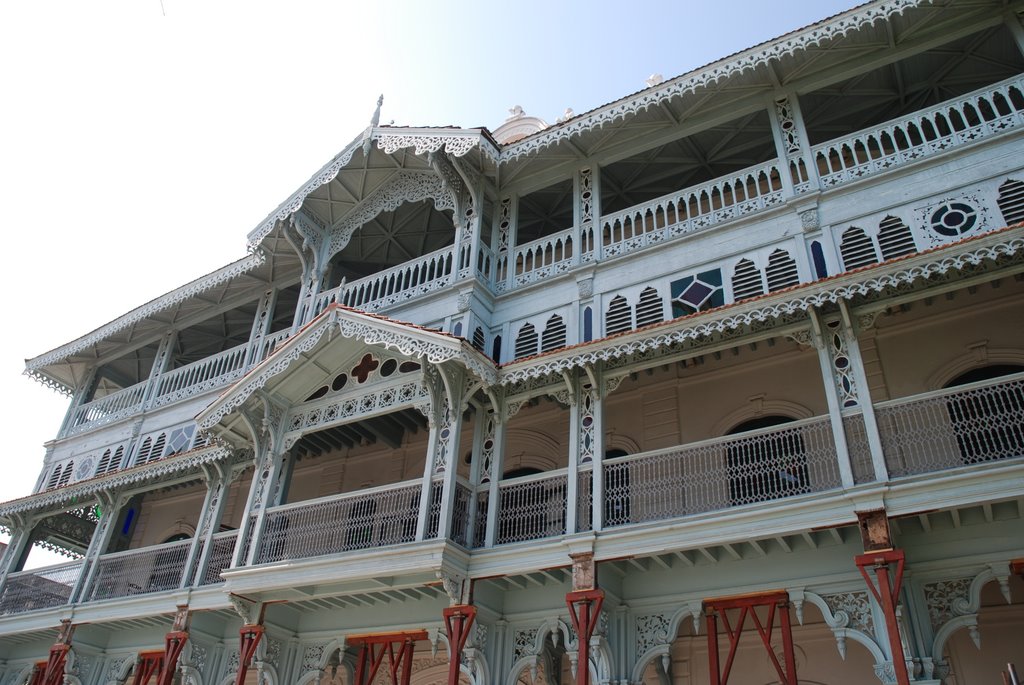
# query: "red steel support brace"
{"type": "Point", "coordinates": [150, 664]}
{"type": "Point", "coordinates": [249, 637]}
{"type": "Point", "coordinates": [174, 643]}
{"type": "Point", "coordinates": [397, 646]}
{"type": "Point", "coordinates": [458, 620]}
{"type": "Point", "coordinates": [55, 664]}
{"type": "Point", "coordinates": [887, 594]}
{"type": "Point", "coordinates": [777, 602]}
{"type": "Point", "coordinates": [38, 673]}
{"type": "Point", "coordinates": [585, 611]}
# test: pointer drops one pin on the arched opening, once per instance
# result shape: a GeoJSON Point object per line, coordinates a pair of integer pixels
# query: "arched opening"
{"type": "Point", "coordinates": [765, 466]}
{"type": "Point", "coordinates": [1000, 625]}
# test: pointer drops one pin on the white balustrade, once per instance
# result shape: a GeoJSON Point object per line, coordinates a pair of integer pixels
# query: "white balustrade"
{"type": "Point", "coordinates": [685, 211]}
{"type": "Point", "coordinates": [139, 571]}
{"type": "Point", "coordinates": [40, 588]}
{"type": "Point", "coordinates": [757, 466]}
{"type": "Point", "coordinates": [426, 274]}
{"type": "Point", "coordinates": [220, 557]}
{"type": "Point", "coordinates": [543, 258]}
{"type": "Point", "coordinates": [201, 376]}
{"type": "Point", "coordinates": [954, 123]}
{"type": "Point", "coordinates": [484, 262]}
{"type": "Point", "coordinates": [970, 424]}
{"type": "Point", "coordinates": [270, 343]}
{"type": "Point", "coordinates": [108, 409]}
{"type": "Point", "coordinates": [374, 517]}
{"type": "Point", "coordinates": [531, 507]}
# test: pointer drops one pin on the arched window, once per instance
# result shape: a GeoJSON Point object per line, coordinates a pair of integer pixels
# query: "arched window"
{"type": "Point", "coordinates": [649, 308]}
{"type": "Point", "coordinates": [478, 339]}
{"type": "Point", "coordinates": [1011, 201]}
{"type": "Point", "coordinates": [767, 465]}
{"type": "Point", "coordinates": [746, 281]}
{"type": "Point", "coordinates": [857, 249]}
{"type": "Point", "coordinates": [65, 476]}
{"type": "Point", "coordinates": [895, 238]}
{"type": "Point", "coordinates": [618, 318]}
{"type": "Point", "coordinates": [54, 477]}
{"type": "Point", "coordinates": [781, 272]}
{"type": "Point", "coordinates": [554, 334]}
{"type": "Point", "coordinates": [984, 420]}
{"type": "Point", "coordinates": [526, 341]}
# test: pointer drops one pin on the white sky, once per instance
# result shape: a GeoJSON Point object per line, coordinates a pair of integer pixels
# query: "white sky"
{"type": "Point", "coordinates": [139, 143]}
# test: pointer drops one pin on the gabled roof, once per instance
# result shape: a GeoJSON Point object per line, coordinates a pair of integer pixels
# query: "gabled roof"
{"type": "Point", "coordinates": [340, 323]}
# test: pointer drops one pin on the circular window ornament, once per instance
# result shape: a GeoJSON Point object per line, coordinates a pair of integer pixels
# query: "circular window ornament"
{"type": "Point", "coordinates": [953, 219]}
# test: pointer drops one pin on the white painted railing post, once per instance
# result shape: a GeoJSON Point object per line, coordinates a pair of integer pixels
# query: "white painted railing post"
{"type": "Point", "coordinates": [161, 363]}
{"type": "Point", "coordinates": [832, 396]}
{"type": "Point", "coordinates": [16, 552]}
{"type": "Point", "coordinates": [77, 400]}
{"type": "Point", "coordinates": [493, 468]}
{"type": "Point", "coordinates": [260, 328]}
{"type": "Point", "coordinates": [110, 508]}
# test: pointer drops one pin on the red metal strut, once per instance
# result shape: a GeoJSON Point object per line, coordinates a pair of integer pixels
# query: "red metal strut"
{"type": "Point", "coordinates": [458, 620]}
{"type": "Point", "coordinates": [150, 663]}
{"type": "Point", "coordinates": [399, 649]}
{"type": "Point", "coordinates": [38, 673]}
{"type": "Point", "coordinates": [249, 636]}
{"type": "Point", "coordinates": [54, 670]}
{"type": "Point", "coordinates": [585, 611]}
{"type": "Point", "coordinates": [747, 606]}
{"type": "Point", "coordinates": [887, 594]}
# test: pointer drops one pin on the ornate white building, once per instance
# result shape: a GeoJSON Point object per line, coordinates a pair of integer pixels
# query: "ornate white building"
{"type": "Point", "coordinates": [720, 382]}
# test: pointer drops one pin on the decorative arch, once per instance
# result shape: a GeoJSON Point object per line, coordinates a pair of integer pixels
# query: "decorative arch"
{"type": "Point", "coordinates": [973, 358]}
{"type": "Point", "coordinates": [839, 622]}
{"type": "Point", "coordinates": [966, 610]}
{"type": "Point", "coordinates": [190, 675]}
{"type": "Point", "coordinates": [664, 638]}
{"type": "Point", "coordinates": [405, 186]}
{"type": "Point", "coordinates": [761, 407]}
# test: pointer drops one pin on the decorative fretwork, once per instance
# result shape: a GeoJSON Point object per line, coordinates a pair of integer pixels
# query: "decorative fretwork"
{"type": "Point", "coordinates": [1011, 201]}
{"type": "Point", "coordinates": [961, 121]}
{"type": "Point", "coordinates": [359, 520]}
{"type": "Point", "coordinates": [692, 209]}
{"type": "Point", "coordinates": [542, 258]}
{"type": "Point", "coordinates": [842, 364]}
{"type": "Point", "coordinates": [349, 407]}
{"type": "Point", "coordinates": [524, 643]}
{"type": "Point", "coordinates": [973, 424]}
{"type": "Point", "coordinates": [446, 425]}
{"type": "Point", "coordinates": [588, 423]}
{"type": "Point", "coordinates": [852, 610]}
{"type": "Point", "coordinates": [453, 144]}
{"type": "Point", "coordinates": [312, 657]}
{"type": "Point", "coordinates": [652, 630]}
{"type": "Point", "coordinates": [787, 122]}
{"type": "Point", "coordinates": [405, 186]}
{"type": "Point", "coordinates": [946, 599]}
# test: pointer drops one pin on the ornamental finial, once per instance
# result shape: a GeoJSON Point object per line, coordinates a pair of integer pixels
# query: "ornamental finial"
{"type": "Point", "coordinates": [376, 114]}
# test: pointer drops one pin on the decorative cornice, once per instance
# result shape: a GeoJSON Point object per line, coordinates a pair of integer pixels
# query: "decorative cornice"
{"type": "Point", "coordinates": [196, 287]}
{"type": "Point", "coordinates": [709, 75]}
{"type": "Point", "coordinates": [187, 462]}
{"type": "Point", "coordinates": [406, 339]}
{"type": "Point", "coordinates": [897, 274]}
{"type": "Point", "coordinates": [457, 144]}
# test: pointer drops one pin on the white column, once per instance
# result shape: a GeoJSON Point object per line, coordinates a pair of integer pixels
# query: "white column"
{"type": "Point", "coordinates": [14, 554]}
{"type": "Point", "coordinates": [161, 363]}
{"type": "Point", "coordinates": [493, 465]}
{"type": "Point", "coordinates": [443, 452]}
{"type": "Point", "coordinates": [110, 504]}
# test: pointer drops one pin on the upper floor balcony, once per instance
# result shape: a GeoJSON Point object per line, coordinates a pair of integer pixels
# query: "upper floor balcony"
{"type": "Point", "coordinates": [774, 473]}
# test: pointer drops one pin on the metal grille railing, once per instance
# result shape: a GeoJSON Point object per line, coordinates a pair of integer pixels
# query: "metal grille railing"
{"type": "Point", "coordinates": [757, 466]}
{"type": "Point", "coordinates": [970, 424]}
{"type": "Point", "coordinates": [531, 507]}
{"type": "Point", "coordinates": [369, 518]}
{"type": "Point", "coordinates": [858, 448]}
{"type": "Point", "coordinates": [460, 514]}
{"type": "Point", "coordinates": [480, 525]}
{"type": "Point", "coordinates": [108, 409]}
{"type": "Point", "coordinates": [584, 501]}
{"type": "Point", "coordinates": [40, 588]}
{"type": "Point", "coordinates": [220, 556]}
{"type": "Point", "coordinates": [139, 571]}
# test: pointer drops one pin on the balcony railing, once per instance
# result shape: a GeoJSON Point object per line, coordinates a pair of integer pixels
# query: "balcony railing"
{"type": "Point", "coordinates": [692, 209]}
{"type": "Point", "coordinates": [531, 507]}
{"type": "Point", "coordinates": [220, 557]}
{"type": "Point", "coordinates": [758, 466]}
{"type": "Point", "coordinates": [423, 275]}
{"type": "Point", "coordinates": [40, 588]}
{"type": "Point", "coordinates": [953, 123]}
{"type": "Point", "coordinates": [374, 517]}
{"type": "Point", "coordinates": [970, 424]}
{"type": "Point", "coordinates": [139, 571]}
{"type": "Point", "coordinates": [108, 409]}
{"type": "Point", "coordinates": [201, 376]}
